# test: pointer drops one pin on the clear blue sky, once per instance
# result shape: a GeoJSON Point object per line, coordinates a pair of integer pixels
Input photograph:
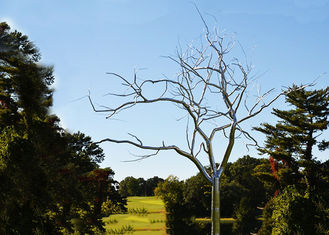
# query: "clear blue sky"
{"type": "Point", "coordinates": [287, 41]}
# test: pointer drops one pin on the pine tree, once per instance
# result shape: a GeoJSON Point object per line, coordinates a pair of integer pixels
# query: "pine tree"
{"type": "Point", "coordinates": [25, 97]}
{"type": "Point", "coordinates": [292, 140]}
{"type": "Point", "coordinates": [290, 145]}
{"type": "Point", "coordinates": [46, 174]}
{"type": "Point", "coordinates": [25, 91]}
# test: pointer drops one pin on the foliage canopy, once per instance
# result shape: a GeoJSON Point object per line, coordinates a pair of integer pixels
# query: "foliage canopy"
{"type": "Point", "coordinates": [50, 181]}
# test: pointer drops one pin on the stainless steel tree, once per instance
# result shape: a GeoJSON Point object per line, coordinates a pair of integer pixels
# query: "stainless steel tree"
{"type": "Point", "coordinates": [211, 87]}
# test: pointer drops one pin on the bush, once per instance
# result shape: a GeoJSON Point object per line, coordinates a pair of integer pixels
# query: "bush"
{"type": "Point", "coordinates": [138, 211]}
{"type": "Point", "coordinates": [125, 229]}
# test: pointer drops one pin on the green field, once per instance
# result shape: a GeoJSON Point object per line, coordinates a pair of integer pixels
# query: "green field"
{"type": "Point", "coordinates": [152, 222]}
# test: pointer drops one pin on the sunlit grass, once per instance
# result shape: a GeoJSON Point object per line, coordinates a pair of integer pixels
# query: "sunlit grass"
{"type": "Point", "coordinates": [152, 222]}
{"type": "Point", "coordinates": [152, 204]}
{"type": "Point", "coordinates": [222, 220]}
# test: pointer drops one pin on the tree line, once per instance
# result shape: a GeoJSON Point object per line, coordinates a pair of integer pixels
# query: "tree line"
{"type": "Point", "coordinates": [131, 186]}
{"type": "Point", "coordinates": [50, 179]}
{"type": "Point", "coordinates": [243, 196]}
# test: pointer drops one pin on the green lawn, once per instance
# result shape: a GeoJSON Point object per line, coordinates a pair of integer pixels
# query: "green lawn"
{"type": "Point", "coordinates": [222, 220]}
{"type": "Point", "coordinates": [151, 223]}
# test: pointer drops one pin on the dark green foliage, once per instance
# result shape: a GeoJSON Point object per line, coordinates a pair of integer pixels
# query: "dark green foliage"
{"type": "Point", "coordinates": [151, 184]}
{"type": "Point", "coordinates": [131, 186]}
{"type": "Point", "coordinates": [25, 97]}
{"type": "Point", "coordinates": [197, 194]}
{"type": "Point", "coordinates": [292, 140]}
{"type": "Point", "coordinates": [24, 84]}
{"type": "Point", "coordinates": [50, 181]}
{"type": "Point", "coordinates": [241, 194]}
{"type": "Point", "coordinates": [22, 184]}
{"type": "Point", "coordinates": [246, 215]}
{"type": "Point", "coordinates": [178, 219]}
{"type": "Point", "coordinates": [300, 179]}
{"type": "Point", "coordinates": [294, 212]}
{"type": "Point", "coordinates": [267, 221]}
{"type": "Point", "coordinates": [291, 213]}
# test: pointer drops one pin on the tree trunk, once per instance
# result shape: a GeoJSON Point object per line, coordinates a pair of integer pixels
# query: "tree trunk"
{"type": "Point", "coordinates": [215, 205]}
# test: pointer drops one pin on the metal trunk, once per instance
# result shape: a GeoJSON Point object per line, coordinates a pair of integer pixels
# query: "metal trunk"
{"type": "Point", "coordinates": [215, 206]}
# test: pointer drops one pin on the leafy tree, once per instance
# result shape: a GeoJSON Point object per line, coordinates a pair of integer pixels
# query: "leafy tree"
{"type": "Point", "coordinates": [87, 193]}
{"type": "Point", "coordinates": [151, 184]}
{"type": "Point", "coordinates": [24, 84]}
{"type": "Point", "coordinates": [141, 187]}
{"type": "Point", "coordinates": [25, 97]}
{"type": "Point", "coordinates": [294, 212]}
{"type": "Point", "coordinates": [242, 195]}
{"type": "Point", "coordinates": [246, 217]}
{"type": "Point", "coordinates": [197, 196]}
{"type": "Point", "coordinates": [292, 140]}
{"type": "Point", "coordinates": [178, 219]}
{"type": "Point", "coordinates": [48, 177]}
{"type": "Point", "coordinates": [301, 180]}
{"type": "Point", "coordinates": [131, 186]}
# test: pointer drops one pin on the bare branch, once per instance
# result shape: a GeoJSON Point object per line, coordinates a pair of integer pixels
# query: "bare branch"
{"type": "Point", "coordinates": [142, 157]}
{"type": "Point", "coordinates": [204, 78]}
{"type": "Point", "coordinates": [140, 142]}
{"type": "Point", "coordinates": [159, 148]}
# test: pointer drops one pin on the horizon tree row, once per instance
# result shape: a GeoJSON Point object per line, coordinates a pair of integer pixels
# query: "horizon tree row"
{"type": "Point", "coordinates": [131, 186]}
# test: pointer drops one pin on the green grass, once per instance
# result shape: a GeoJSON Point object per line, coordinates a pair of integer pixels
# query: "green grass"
{"type": "Point", "coordinates": [222, 220]}
{"type": "Point", "coordinates": [152, 204]}
{"type": "Point", "coordinates": [152, 222]}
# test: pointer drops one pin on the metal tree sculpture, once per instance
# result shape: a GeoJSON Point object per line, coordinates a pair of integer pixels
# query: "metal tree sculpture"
{"type": "Point", "coordinates": [205, 79]}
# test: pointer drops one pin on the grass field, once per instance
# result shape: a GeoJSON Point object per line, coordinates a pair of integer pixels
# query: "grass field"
{"type": "Point", "coordinates": [146, 215]}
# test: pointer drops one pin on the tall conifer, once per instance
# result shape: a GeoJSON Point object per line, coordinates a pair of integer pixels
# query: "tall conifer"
{"type": "Point", "coordinates": [47, 175]}
{"type": "Point", "coordinates": [297, 133]}
{"type": "Point", "coordinates": [301, 203]}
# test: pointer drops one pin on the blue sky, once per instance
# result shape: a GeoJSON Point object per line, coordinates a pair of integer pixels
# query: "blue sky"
{"type": "Point", "coordinates": [286, 40]}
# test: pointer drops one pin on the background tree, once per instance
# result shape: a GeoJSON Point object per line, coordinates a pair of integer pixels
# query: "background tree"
{"type": "Point", "coordinates": [25, 85]}
{"type": "Point", "coordinates": [46, 174]}
{"type": "Point", "coordinates": [197, 196]}
{"type": "Point", "coordinates": [210, 90]}
{"type": "Point", "coordinates": [178, 219]}
{"type": "Point", "coordinates": [131, 186]}
{"type": "Point", "coordinates": [251, 194]}
{"type": "Point", "coordinates": [151, 184]}
{"type": "Point", "coordinates": [291, 143]}
{"type": "Point", "coordinates": [293, 211]}
{"type": "Point", "coordinates": [25, 97]}
{"type": "Point", "coordinates": [292, 140]}
{"type": "Point", "coordinates": [242, 196]}
{"type": "Point", "coordinates": [85, 192]}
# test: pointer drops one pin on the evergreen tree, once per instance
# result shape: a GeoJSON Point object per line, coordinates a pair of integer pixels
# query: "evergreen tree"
{"type": "Point", "coordinates": [301, 180]}
{"type": "Point", "coordinates": [50, 181]}
{"type": "Point", "coordinates": [25, 91]}
{"type": "Point", "coordinates": [292, 140]}
{"type": "Point", "coordinates": [25, 97]}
